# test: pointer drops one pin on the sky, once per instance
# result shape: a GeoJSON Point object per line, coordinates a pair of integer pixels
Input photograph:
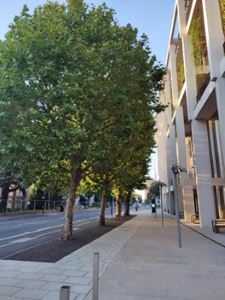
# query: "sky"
{"type": "Point", "coordinates": [152, 17]}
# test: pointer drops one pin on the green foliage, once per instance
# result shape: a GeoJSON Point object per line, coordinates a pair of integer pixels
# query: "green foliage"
{"type": "Point", "coordinates": [76, 90]}
{"type": "Point", "coordinates": [180, 67]}
{"type": "Point", "coordinates": [222, 11]}
{"type": "Point", "coordinates": [154, 188]}
{"type": "Point", "coordinates": [196, 32]}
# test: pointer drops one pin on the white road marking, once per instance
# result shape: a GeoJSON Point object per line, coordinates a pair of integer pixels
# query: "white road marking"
{"type": "Point", "coordinates": [29, 232]}
{"type": "Point", "coordinates": [23, 240]}
{"type": "Point", "coordinates": [43, 229]}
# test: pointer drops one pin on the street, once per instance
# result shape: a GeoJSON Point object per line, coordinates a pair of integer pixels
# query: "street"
{"type": "Point", "coordinates": [26, 232]}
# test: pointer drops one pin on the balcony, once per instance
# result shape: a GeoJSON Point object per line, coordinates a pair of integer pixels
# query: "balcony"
{"type": "Point", "coordinates": [199, 50]}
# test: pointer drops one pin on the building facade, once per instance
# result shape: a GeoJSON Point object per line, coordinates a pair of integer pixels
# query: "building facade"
{"type": "Point", "coordinates": [191, 131]}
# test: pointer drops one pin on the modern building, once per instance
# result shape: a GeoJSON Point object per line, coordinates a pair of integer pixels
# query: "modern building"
{"type": "Point", "coordinates": [191, 131]}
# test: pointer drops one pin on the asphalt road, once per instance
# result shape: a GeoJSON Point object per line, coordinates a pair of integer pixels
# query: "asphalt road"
{"type": "Point", "coordinates": [26, 232]}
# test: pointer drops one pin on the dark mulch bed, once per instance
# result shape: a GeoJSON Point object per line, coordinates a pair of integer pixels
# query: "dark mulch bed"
{"type": "Point", "coordinates": [57, 249]}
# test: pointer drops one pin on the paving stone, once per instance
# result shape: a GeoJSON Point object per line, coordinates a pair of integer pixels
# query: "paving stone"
{"type": "Point", "coordinates": [53, 278]}
{"type": "Point", "coordinates": [28, 283]}
{"type": "Point", "coordinates": [84, 289]}
{"type": "Point", "coordinates": [29, 275]}
{"type": "Point", "coordinates": [27, 293]}
{"type": "Point", "coordinates": [9, 274]}
{"type": "Point", "coordinates": [8, 290]}
{"type": "Point", "coordinates": [78, 280]}
{"type": "Point", "coordinates": [9, 281]}
{"type": "Point", "coordinates": [54, 295]}
{"type": "Point", "coordinates": [74, 273]}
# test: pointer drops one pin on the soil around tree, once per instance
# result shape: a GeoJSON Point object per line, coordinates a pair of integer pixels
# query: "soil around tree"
{"type": "Point", "coordinates": [54, 250]}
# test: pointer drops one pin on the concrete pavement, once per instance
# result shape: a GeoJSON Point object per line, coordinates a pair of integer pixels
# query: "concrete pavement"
{"type": "Point", "coordinates": [138, 260]}
{"type": "Point", "coordinates": [150, 266]}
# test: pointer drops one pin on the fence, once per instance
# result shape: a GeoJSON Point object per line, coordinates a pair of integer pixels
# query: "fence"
{"type": "Point", "coordinates": [41, 206]}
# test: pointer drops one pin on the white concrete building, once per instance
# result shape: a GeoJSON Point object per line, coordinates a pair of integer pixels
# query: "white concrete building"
{"type": "Point", "coordinates": [191, 132]}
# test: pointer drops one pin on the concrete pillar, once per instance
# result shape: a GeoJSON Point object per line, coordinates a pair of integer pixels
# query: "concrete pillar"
{"type": "Point", "coordinates": [214, 35]}
{"type": "Point", "coordinates": [181, 155]}
{"type": "Point", "coordinates": [181, 149]}
{"type": "Point", "coordinates": [215, 39]}
{"type": "Point", "coordinates": [189, 68]}
{"type": "Point", "coordinates": [174, 74]}
{"type": "Point", "coordinates": [220, 92]}
{"type": "Point", "coordinates": [203, 173]}
{"type": "Point", "coordinates": [189, 208]}
{"type": "Point", "coordinates": [172, 160]}
{"type": "Point", "coordinates": [168, 98]}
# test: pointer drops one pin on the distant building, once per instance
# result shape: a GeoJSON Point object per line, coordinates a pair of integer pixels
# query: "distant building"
{"type": "Point", "coordinates": [191, 132]}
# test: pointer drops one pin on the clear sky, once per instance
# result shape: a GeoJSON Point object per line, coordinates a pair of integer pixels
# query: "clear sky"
{"type": "Point", "coordinates": [152, 17]}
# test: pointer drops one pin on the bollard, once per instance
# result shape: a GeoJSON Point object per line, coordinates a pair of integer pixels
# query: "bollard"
{"type": "Point", "coordinates": [64, 293]}
{"type": "Point", "coordinates": [95, 276]}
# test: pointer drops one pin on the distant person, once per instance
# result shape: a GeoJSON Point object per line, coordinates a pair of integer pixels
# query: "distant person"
{"type": "Point", "coordinates": [136, 206]}
{"type": "Point", "coordinates": [153, 208]}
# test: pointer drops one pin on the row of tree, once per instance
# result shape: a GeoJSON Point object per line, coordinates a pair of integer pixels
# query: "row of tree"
{"type": "Point", "coordinates": [78, 94]}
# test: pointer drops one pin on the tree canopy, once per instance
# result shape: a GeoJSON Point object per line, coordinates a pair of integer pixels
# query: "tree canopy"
{"type": "Point", "coordinates": [77, 93]}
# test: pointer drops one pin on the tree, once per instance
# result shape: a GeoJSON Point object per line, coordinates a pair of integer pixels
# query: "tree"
{"type": "Point", "coordinates": [69, 75]}
{"type": "Point", "coordinates": [154, 189]}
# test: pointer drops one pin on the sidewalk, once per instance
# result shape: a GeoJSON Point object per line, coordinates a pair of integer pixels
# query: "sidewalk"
{"type": "Point", "coordinates": [138, 260]}
{"type": "Point", "coordinates": [150, 266]}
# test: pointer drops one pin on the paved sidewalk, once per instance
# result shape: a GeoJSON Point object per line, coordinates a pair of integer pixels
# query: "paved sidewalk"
{"type": "Point", "coordinates": [138, 260]}
{"type": "Point", "coordinates": [34, 280]}
{"type": "Point", "coordinates": [150, 266]}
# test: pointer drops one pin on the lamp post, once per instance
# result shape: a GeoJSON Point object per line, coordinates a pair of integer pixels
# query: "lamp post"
{"type": "Point", "coordinates": [176, 169]}
{"type": "Point", "coordinates": [161, 184]}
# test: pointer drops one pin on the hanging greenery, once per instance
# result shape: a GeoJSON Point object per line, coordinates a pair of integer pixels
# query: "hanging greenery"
{"type": "Point", "coordinates": [180, 67]}
{"type": "Point", "coordinates": [196, 38]}
{"type": "Point", "coordinates": [222, 11]}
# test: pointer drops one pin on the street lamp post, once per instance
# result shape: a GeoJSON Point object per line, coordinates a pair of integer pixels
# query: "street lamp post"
{"type": "Point", "coordinates": [176, 169]}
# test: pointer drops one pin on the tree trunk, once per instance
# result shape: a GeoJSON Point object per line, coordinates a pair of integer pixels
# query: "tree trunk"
{"type": "Point", "coordinates": [67, 230]}
{"type": "Point", "coordinates": [103, 205]}
{"type": "Point", "coordinates": [127, 205]}
{"type": "Point", "coordinates": [118, 206]}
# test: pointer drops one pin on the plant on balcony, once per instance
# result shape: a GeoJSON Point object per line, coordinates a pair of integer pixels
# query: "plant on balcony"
{"type": "Point", "coordinates": [199, 52]}
{"type": "Point", "coordinates": [180, 68]}
{"type": "Point", "coordinates": [222, 11]}
{"type": "Point", "coordinates": [197, 45]}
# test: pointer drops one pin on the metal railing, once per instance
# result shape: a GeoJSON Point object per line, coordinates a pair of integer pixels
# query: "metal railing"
{"type": "Point", "coordinates": [35, 206]}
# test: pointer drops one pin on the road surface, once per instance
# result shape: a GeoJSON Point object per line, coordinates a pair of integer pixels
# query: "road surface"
{"type": "Point", "coordinates": [26, 232]}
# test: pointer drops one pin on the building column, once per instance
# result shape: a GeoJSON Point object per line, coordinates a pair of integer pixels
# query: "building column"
{"type": "Point", "coordinates": [181, 151]}
{"type": "Point", "coordinates": [215, 39]}
{"type": "Point", "coordinates": [191, 92]}
{"type": "Point", "coordinates": [172, 160]}
{"type": "Point", "coordinates": [189, 68]}
{"type": "Point", "coordinates": [203, 173]}
{"type": "Point", "coordinates": [173, 69]}
{"type": "Point", "coordinates": [220, 93]}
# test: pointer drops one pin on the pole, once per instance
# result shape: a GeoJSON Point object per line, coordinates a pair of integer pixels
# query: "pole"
{"type": "Point", "coordinates": [95, 276]}
{"type": "Point", "coordinates": [162, 213]}
{"type": "Point", "coordinates": [64, 293]}
{"type": "Point", "coordinates": [177, 210]}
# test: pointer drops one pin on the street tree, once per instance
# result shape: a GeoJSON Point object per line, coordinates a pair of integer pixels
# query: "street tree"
{"type": "Point", "coordinates": [68, 75]}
